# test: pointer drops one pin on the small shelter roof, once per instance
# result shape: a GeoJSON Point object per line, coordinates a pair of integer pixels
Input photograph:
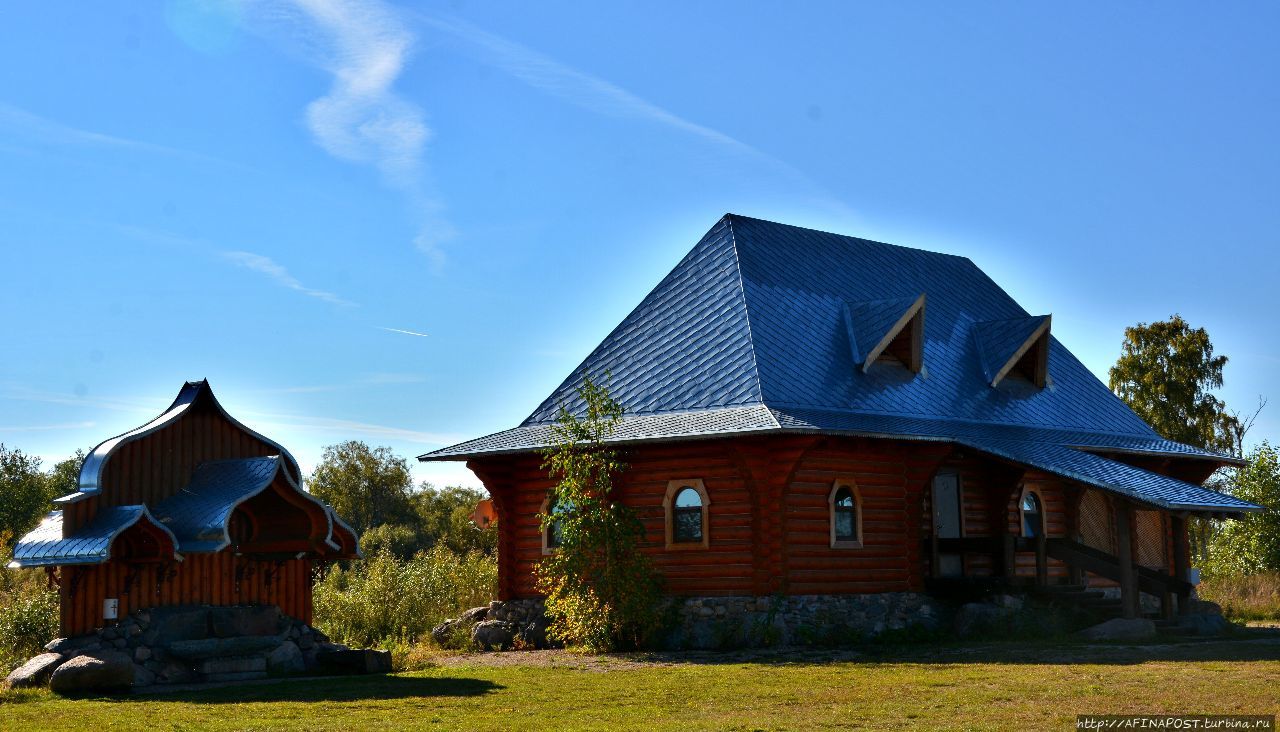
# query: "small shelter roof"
{"type": "Point", "coordinates": [45, 546]}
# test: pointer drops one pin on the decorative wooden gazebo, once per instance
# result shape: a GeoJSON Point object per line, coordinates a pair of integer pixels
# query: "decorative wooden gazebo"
{"type": "Point", "coordinates": [191, 508]}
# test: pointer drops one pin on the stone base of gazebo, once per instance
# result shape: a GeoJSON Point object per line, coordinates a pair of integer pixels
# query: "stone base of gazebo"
{"type": "Point", "coordinates": [192, 644]}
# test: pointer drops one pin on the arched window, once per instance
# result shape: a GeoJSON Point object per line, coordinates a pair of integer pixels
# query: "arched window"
{"type": "Point", "coordinates": [686, 505]}
{"type": "Point", "coordinates": [845, 507]}
{"type": "Point", "coordinates": [551, 530]}
{"type": "Point", "coordinates": [1032, 515]}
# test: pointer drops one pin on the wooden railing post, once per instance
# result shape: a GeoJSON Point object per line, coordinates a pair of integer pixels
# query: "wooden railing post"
{"type": "Point", "coordinates": [1124, 554]}
{"type": "Point", "coordinates": [1181, 552]}
{"type": "Point", "coordinates": [1042, 561]}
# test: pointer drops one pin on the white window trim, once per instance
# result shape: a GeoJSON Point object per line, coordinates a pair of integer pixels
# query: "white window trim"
{"type": "Point", "coordinates": [843, 481]}
{"type": "Point", "coordinates": [1022, 518]}
{"type": "Point", "coordinates": [668, 503]}
{"type": "Point", "coordinates": [546, 530]}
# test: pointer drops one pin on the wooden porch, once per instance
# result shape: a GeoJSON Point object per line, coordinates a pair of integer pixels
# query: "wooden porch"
{"type": "Point", "coordinates": [981, 530]}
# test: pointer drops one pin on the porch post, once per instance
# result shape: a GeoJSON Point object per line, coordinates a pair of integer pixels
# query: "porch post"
{"type": "Point", "coordinates": [1042, 560]}
{"type": "Point", "coordinates": [1181, 552]}
{"type": "Point", "coordinates": [1124, 554]}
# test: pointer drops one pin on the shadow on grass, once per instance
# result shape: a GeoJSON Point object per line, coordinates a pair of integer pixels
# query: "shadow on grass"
{"type": "Point", "coordinates": [1250, 645]}
{"type": "Point", "coordinates": [336, 689]}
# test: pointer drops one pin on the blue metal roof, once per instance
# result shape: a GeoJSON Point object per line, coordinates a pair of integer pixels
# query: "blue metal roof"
{"type": "Point", "coordinates": [90, 482]}
{"type": "Point", "coordinates": [45, 546]}
{"type": "Point", "coordinates": [868, 323]}
{"type": "Point", "coordinates": [762, 327]}
{"type": "Point", "coordinates": [199, 514]}
{"type": "Point", "coordinates": [999, 341]}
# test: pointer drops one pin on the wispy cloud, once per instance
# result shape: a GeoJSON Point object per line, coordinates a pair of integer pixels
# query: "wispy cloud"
{"type": "Point", "coordinates": [393, 378]}
{"type": "Point", "coordinates": [400, 330]}
{"type": "Point", "coordinates": [17, 122]}
{"type": "Point", "coordinates": [268, 267]}
{"type": "Point", "coordinates": [48, 427]}
{"type": "Point", "coordinates": [365, 46]}
{"type": "Point", "coordinates": [350, 428]}
{"type": "Point", "coordinates": [594, 93]}
{"type": "Point", "coordinates": [603, 97]}
{"type": "Point", "coordinates": [21, 393]}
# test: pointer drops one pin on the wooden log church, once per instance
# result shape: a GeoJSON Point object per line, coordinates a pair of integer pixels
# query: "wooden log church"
{"type": "Point", "coordinates": [191, 508]}
{"type": "Point", "coordinates": [821, 415]}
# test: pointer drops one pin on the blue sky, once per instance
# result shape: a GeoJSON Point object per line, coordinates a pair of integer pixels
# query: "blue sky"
{"type": "Point", "coordinates": [281, 196]}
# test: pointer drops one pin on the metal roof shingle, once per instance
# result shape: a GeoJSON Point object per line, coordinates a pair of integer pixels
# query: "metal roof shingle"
{"type": "Point", "coordinates": [760, 327]}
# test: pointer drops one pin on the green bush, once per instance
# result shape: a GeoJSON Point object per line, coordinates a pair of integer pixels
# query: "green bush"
{"type": "Point", "coordinates": [384, 601]}
{"type": "Point", "coordinates": [28, 616]}
{"type": "Point", "coordinates": [1250, 597]}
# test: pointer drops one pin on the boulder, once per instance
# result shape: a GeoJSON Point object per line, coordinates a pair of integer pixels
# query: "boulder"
{"type": "Point", "coordinates": [220, 647]}
{"type": "Point", "coordinates": [142, 676]}
{"type": "Point", "coordinates": [1120, 629]}
{"type": "Point", "coordinates": [174, 672]}
{"type": "Point", "coordinates": [1207, 624]}
{"type": "Point", "coordinates": [490, 634]}
{"type": "Point", "coordinates": [179, 623]}
{"type": "Point", "coordinates": [1203, 607]}
{"type": "Point", "coordinates": [444, 631]}
{"type": "Point", "coordinates": [71, 646]}
{"type": "Point", "coordinates": [977, 618]}
{"type": "Point", "coordinates": [234, 622]}
{"type": "Point", "coordinates": [93, 672]}
{"type": "Point", "coordinates": [232, 665]}
{"type": "Point", "coordinates": [286, 659]}
{"type": "Point", "coordinates": [366, 661]}
{"type": "Point", "coordinates": [534, 634]}
{"type": "Point", "coordinates": [475, 614]}
{"type": "Point", "coordinates": [35, 672]}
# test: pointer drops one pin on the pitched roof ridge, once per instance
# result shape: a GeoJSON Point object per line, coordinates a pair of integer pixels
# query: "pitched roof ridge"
{"type": "Point", "coordinates": [731, 216]}
{"type": "Point", "coordinates": [746, 309]}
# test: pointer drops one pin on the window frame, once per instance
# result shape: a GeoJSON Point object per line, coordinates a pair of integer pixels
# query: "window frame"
{"type": "Point", "coordinates": [845, 481]}
{"type": "Point", "coordinates": [547, 548]}
{"type": "Point", "coordinates": [668, 509]}
{"type": "Point", "coordinates": [1022, 513]}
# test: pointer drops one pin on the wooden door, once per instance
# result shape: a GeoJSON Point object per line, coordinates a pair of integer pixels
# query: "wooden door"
{"type": "Point", "coordinates": [946, 522]}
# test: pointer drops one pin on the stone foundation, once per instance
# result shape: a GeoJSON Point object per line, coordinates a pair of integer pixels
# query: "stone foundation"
{"type": "Point", "coordinates": [192, 644]}
{"type": "Point", "coordinates": [735, 622]}
{"type": "Point", "coordinates": [717, 622]}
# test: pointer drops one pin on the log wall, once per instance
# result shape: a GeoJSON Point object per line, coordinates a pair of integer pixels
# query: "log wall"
{"type": "Point", "coordinates": [768, 522]}
{"type": "Point", "coordinates": [213, 579]}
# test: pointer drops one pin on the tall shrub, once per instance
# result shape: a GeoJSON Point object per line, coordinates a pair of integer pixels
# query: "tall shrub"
{"type": "Point", "coordinates": [28, 614]}
{"type": "Point", "coordinates": [1251, 543]}
{"type": "Point", "coordinates": [383, 600]}
{"type": "Point", "coordinates": [601, 591]}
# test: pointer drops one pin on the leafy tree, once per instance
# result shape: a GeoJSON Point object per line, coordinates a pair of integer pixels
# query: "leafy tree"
{"type": "Point", "coordinates": [367, 487]}
{"type": "Point", "coordinates": [398, 540]}
{"type": "Point", "coordinates": [1252, 543]}
{"type": "Point", "coordinates": [444, 519]}
{"type": "Point", "coordinates": [24, 493]}
{"type": "Point", "coordinates": [601, 590]}
{"type": "Point", "coordinates": [64, 477]}
{"type": "Point", "coordinates": [1165, 373]}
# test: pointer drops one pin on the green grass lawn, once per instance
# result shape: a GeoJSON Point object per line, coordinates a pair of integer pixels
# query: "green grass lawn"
{"type": "Point", "coordinates": [992, 686]}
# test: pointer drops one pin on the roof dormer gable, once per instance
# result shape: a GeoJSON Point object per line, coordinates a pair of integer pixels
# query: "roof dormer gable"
{"type": "Point", "coordinates": [886, 329]}
{"type": "Point", "coordinates": [1017, 346]}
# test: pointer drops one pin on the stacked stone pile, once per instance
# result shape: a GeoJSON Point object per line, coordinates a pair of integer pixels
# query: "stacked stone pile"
{"type": "Point", "coordinates": [498, 626]}
{"type": "Point", "coordinates": [191, 644]}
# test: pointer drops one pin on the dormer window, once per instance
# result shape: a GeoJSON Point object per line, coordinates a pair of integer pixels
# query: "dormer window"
{"type": "Point", "coordinates": [1017, 347]}
{"type": "Point", "coordinates": [886, 330]}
